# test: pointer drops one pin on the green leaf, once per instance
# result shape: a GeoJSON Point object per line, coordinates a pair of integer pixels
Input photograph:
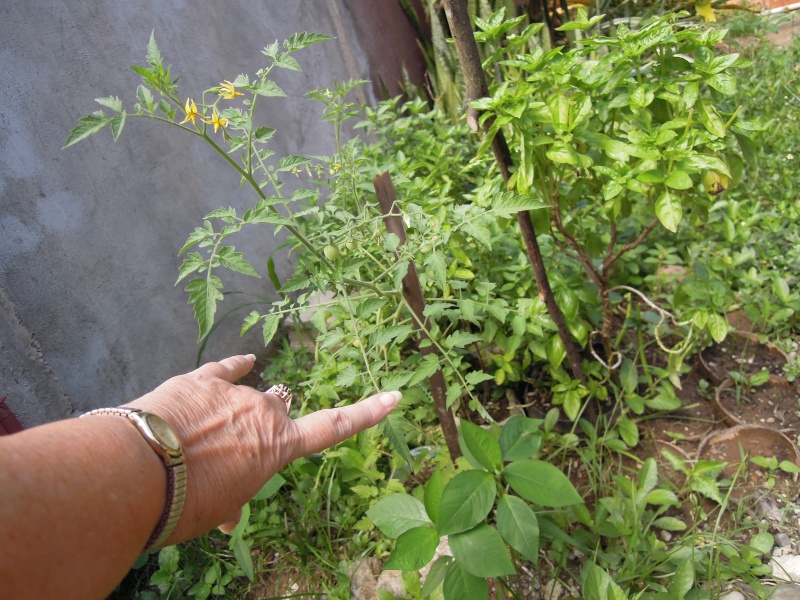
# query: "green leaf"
{"type": "Point", "coordinates": [628, 431]}
{"type": "Point", "coordinates": [717, 327]}
{"type": "Point", "coordinates": [724, 83]}
{"type": "Point", "coordinates": [460, 585]}
{"type": "Point", "coordinates": [669, 211]}
{"type": "Point", "coordinates": [346, 376]}
{"type": "Point", "coordinates": [269, 489]}
{"type": "Point", "coordinates": [436, 575]}
{"type": "Point", "coordinates": [508, 204]}
{"type": "Point", "coordinates": [250, 320]}
{"type": "Point", "coordinates": [481, 552]}
{"type": "Point", "coordinates": [663, 498]}
{"type": "Point", "coordinates": [476, 377]}
{"type": "Point", "coordinates": [467, 499]}
{"type": "Point", "coordinates": [284, 61]}
{"type": "Point", "coordinates": [270, 326]}
{"type": "Point", "coordinates": [169, 558]}
{"type": "Point", "coordinates": [519, 527]}
{"type": "Point", "coordinates": [203, 296]}
{"type": "Point", "coordinates": [298, 41]}
{"type": "Point", "coordinates": [117, 124]}
{"type": "Point", "coordinates": [679, 180]}
{"type": "Point", "coordinates": [520, 438]}
{"type": "Point", "coordinates": [648, 474]}
{"type": "Point", "coordinates": [669, 523]}
{"type": "Point", "coordinates": [682, 581]}
{"type": "Point", "coordinates": [482, 445]}
{"type": "Point", "coordinates": [393, 333]}
{"type": "Point", "coordinates": [426, 367]}
{"type": "Point", "coordinates": [707, 162]}
{"type": "Point", "coordinates": [433, 495]}
{"type": "Point", "coordinates": [111, 102]}
{"type": "Point", "coordinates": [87, 126]}
{"type": "Point", "coordinates": [394, 428]}
{"type": "Point", "coordinates": [415, 549]}
{"type": "Point", "coordinates": [460, 339]}
{"type": "Point", "coordinates": [711, 119]}
{"type": "Point", "coordinates": [762, 542]}
{"type": "Point", "coordinates": [541, 482]}
{"type": "Point", "coordinates": [396, 380]}
{"type": "Point", "coordinates": [154, 58]}
{"type": "Point", "coordinates": [436, 263]}
{"type": "Point", "coordinates": [397, 513]}
{"type": "Point", "coordinates": [233, 260]}
{"type": "Point", "coordinates": [192, 263]}
{"type": "Point", "coordinates": [241, 550]}
{"type": "Point", "coordinates": [268, 88]}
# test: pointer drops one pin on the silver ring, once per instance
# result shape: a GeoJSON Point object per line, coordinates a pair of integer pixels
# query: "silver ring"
{"type": "Point", "coordinates": [284, 393]}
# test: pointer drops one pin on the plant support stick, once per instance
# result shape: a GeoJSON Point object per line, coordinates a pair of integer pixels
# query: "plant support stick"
{"type": "Point", "coordinates": [475, 80]}
{"type": "Point", "coordinates": [412, 291]}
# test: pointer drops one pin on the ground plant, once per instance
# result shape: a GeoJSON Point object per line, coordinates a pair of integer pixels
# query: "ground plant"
{"type": "Point", "coordinates": [637, 154]}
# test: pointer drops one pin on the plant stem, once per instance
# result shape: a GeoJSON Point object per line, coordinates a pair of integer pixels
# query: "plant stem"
{"type": "Point", "coordinates": [469, 59]}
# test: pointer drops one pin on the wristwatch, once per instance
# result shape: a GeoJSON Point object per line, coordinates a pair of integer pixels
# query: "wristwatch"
{"type": "Point", "coordinates": [168, 446]}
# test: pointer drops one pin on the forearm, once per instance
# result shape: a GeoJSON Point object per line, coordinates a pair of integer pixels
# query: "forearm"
{"type": "Point", "coordinates": [78, 501]}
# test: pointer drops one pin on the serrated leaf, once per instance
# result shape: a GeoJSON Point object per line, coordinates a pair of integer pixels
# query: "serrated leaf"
{"type": "Point", "coordinates": [346, 376]}
{"type": "Point", "coordinates": [250, 320]}
{"type": "Point", "coordinates": [284, 61]}
{"type": "Point", "coordinates": [270, 326]}
{"type": "Point", "coordinates": [394, 333]}
{"type": "Point", "coordinates": [233, 260]}
{"type": "Point", "coordinates": [268, 88]}
{"type": "Point", "coordinates": [519, 527]}
{"type": "Point", "coordinates": [192, 263]}
{"type": "Point", "coordinates": [204, 293]}
{"type": "Point", "coordinates": [476, 377]}
{"type": "Point", "coordinates": [298, 282]}
{"type": "Point", "coordinates": [436, 263]}
{"type": "Point", "coordinates": [117, 125]}
{"type": "Point", "coordinates": [111, 102]}
{"type": "Point", "coordinates": [86, 127]}
{"type": "Point", "coordinates": [415, 549]}
{"type": "Point", "coordinates": [298, 41]}
{"type": "Point", "coordinates": [460, 339]}
{"type": "Point", "coordinates": [397, 513]}
{"type": "Point", "coordinates": [394, 428]}
{"type": "Point", "coordinates": [154, 58]}
{"type": "Point", "coordinates": [426, 367]}
{"type": "Point", "coordinates": [508, 204]}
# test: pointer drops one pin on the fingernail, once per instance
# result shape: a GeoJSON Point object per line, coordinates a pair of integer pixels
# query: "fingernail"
{"type": "Point", "coordinates": [250, 357]}
{"type": "Point", "coordinates": [390, 399]}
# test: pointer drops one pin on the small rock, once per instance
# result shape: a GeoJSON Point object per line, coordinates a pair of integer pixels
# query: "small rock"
{"type": "Point", "coordinates": [443, 549]}
{"type": "Point", "coordinates": [665, 535]}
{"type": "Point", "coordinates": [392, 582]}
{"type": "Point", "coordinates": [770, 419]}
{"type": "Point", "coordinates": [364, 579]}
{"type": "Point", "coordinates": [767, 507]}
{"type": "Point", "coordinates": [782, 540]}
{"type": "Point", "coordinates": [553, 590]}
{"type": "Point", "coordinates": [786, 591]}
{"type": "Point", "coordinates": [776, 551]}
{"type": "Point", "coordinates": [786, 568]}
{"type": "Point", "coordinates": [734, 595]}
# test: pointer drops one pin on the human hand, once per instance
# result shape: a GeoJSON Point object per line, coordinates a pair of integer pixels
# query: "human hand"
{"type": "Point", "coordinates": [235, 438]}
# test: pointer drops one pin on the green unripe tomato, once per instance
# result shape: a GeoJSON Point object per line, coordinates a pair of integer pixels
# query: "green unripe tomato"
{"type": "Point", "coordinates": [331, 252]}
{"type": "Point", "coordinates": [351, 245]}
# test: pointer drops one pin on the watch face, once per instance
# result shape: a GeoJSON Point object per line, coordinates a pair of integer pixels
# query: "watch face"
{"type": "Point", "coordinates": [163, 431]}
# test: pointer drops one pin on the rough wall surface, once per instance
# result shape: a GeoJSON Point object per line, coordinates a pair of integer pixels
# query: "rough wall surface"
{"type": "Point", "coordinates": [89, 236]}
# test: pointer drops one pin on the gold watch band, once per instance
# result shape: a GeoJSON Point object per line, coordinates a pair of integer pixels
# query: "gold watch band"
{"type": "Point", "coordinates": [173, 459]}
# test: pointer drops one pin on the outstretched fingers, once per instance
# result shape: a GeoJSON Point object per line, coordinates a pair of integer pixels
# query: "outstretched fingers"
{"type": "Point", "coordinates": [326, 428]}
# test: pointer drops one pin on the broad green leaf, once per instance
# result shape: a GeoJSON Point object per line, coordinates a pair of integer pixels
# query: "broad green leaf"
{"type": "Point", "coordinates": [461, 339]}
{"type": "Point", "coordinates": [476, 377]}
{"type": "Point", "coordinates": [460, 585]}
{"type": "Point", "coordinates": [481, 552]}
{"type": "Point", "coordinates": [628, 375]}
{"type": "Point", "coordinates": [346, 376]}
{"type": "Point", "coordinates": [415, 549]}
{"type": "Point", "coordinates": [508, 204]}
{"type": "Point", "coordinates": [397, 513]}
{"type": "Point", "coordinates": [519, 527]}
{"type": "Point", "coordinates": [628, 431]}
{"type": "Point", "coordinates": [467, 499]}
{"type": "Point", "coordinates": [717, 327]}
{"type": "Point", "coordinates": [436, 575]}
{"type": "Point", "coordinates": [433, 495]}
{"type": "Point", "coordinates": [241, 550]}
{"type": "Point", "coordinates": [707, 162]}
{"type": "Point", "coordinates": [394, 428]}
{"type": "Point", "coordinates": [541, 482]}
{"type": "Point", "coordinates": [648, 475]}
{"type": "Point", "coordinates": [763, 542]}
{"type": "Point", "coordinates": [683, 580]}
{"type": "Point", "coordinates": [669, 211]}
{"type": "Point", "coordinates": [396, 380]}
{"type": "Point", "coordinates": [679, 180]}
{"type": "Point", "coordinates": [87, 126]}
{"type": "Point", "coordinates": [520, 438]}
{"type": "Point", "coordinates": [661, 497]}
{"type": "Point", "coordinates": [482, 446]}
{"type": "Point", "coordinates": [711, 119]}
{"type": "Point", "coordinates": [270, 326]}
{"type": "Point", "coordinates": [724, 83]}
{"type": "Point", "coordinates": [268, 88]}
{"type": "Point", "coordinates": [669, 523]}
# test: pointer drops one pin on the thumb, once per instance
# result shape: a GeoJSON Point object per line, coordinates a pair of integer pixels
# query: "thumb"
{"type": "Point", "coordinates": [228, 526]}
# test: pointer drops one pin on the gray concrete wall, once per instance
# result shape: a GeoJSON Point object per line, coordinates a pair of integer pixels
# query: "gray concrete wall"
{"type": "Point", "coordinates": [89, 236]}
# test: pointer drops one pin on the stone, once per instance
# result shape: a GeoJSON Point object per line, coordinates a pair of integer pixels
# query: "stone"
{"type": "Point", "coordinates": [392, 582]}
{"type": "Point", "coordinates": [786, 568]}
{"type": "Point", "coordinates": [364, 579]}
{"type": "Point", "coordinates": [665, 535]}
{"type": "Point", "coordinates": [734, 595]}
{"type": "Point", "coordinates": [782, 540]}
{"type": "Point", "coordinates": [786, 591]}
{"type": "Point", "coordinates": [443, 549]}
{"type": "Point", "coordinates": [767, 507]}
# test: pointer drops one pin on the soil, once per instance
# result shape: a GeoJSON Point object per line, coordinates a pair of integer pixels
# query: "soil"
{"type": "Point", "coordinates": [741, 352]}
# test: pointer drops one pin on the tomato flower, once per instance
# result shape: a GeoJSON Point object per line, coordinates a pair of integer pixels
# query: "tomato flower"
{"type": "Point", "coordinates": [228, 91]}
{"type": "Point", "coordinates": [216, 121]}
{"type": "Point", "coordinates": [191, 111]}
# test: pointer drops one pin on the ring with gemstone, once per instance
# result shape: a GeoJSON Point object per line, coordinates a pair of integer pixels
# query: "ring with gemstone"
{"type": "Point", "coordinates": [284, 393]}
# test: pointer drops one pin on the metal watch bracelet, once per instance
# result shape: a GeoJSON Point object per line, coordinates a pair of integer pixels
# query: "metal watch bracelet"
{"type": "Point", "coordinates": [160, 437]}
